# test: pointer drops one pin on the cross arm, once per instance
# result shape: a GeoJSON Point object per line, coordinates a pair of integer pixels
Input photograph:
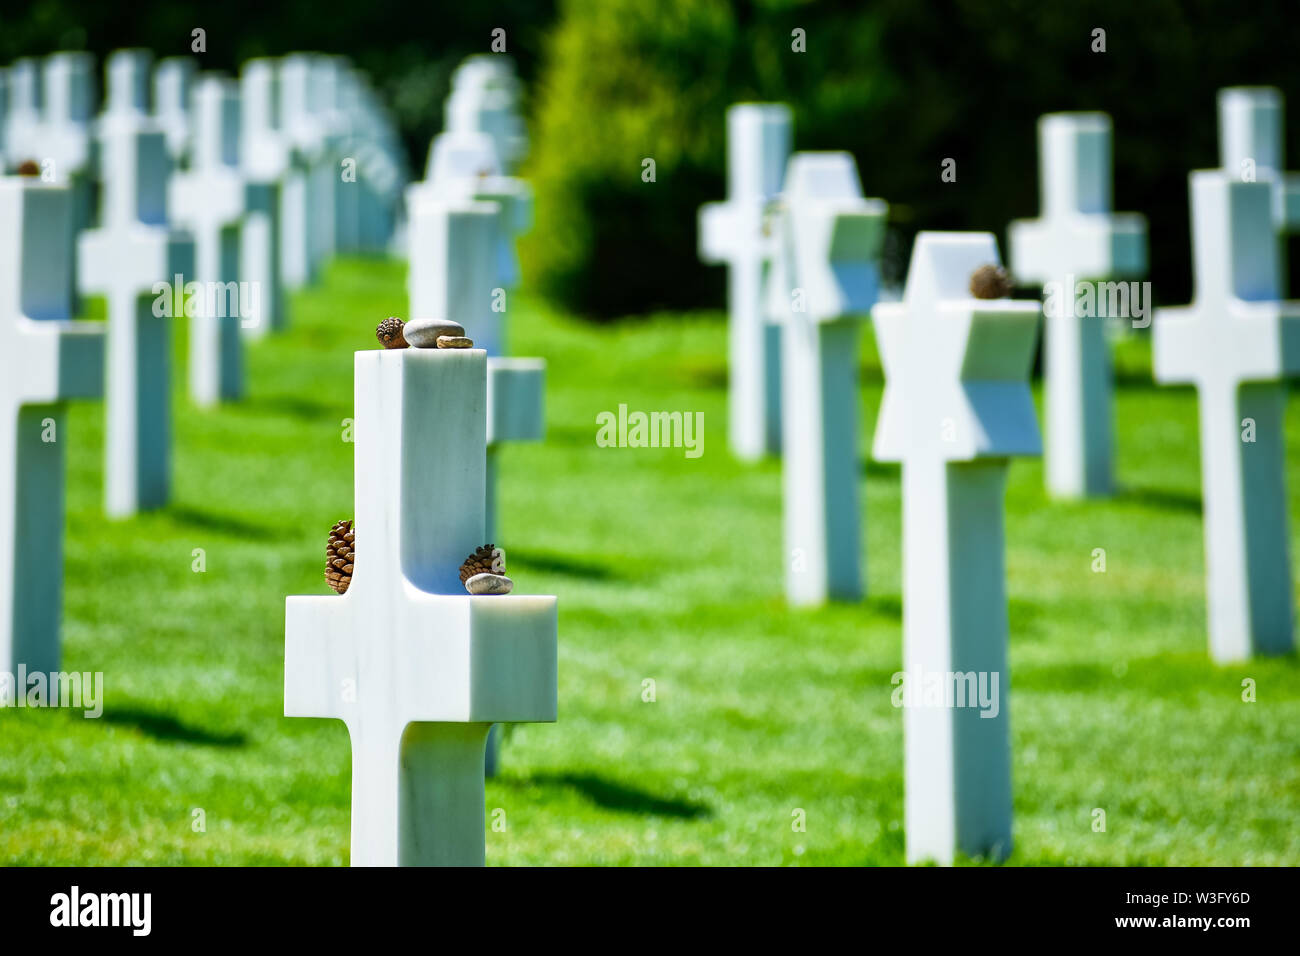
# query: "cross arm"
{"type": "Point", "coordinates": [59, 359]}
{"type": "Point", "coordinates": [516, 399]}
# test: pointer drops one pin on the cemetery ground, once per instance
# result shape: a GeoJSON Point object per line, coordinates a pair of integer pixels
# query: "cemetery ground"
{"type": "Point", "coordinates": [668, 569]}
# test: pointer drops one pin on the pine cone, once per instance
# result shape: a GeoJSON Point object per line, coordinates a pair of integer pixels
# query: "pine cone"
{"type": "Point", "coordinates": [487, 559]}
{"type": "Point", "coordinates": [340, 554]}
{"type": "Point", "coordinates": [390, 335]}
{"type": "Point", "coordinates": [990, 282]}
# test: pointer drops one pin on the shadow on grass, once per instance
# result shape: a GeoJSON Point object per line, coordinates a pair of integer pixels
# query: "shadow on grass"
{"type": "Point", "coordinates": [612, 795]}
{"type": "Point", "coordinates": [560, 564]}
{"type": "Point", "coordinates": [294, 406]}
{"type": "Point", "coordinates": [1188, 502]}
{"type": "Point", "coordinates": [871, 468]}
{"type": "Point", "coordinates": [223, 524]}
{"type": "Point", "coordinates": [167, 727]}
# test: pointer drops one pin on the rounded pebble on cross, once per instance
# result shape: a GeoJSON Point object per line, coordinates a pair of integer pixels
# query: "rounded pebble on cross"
{"type": "Point", "coordinates": [455, 342]}
{"type": "Point", "coordinates": [390, 335]}
{"type": "Point", "coordinates": [990, 282]}
{"type": "Point", "coordinates": [424, 333]}
{"type": "Point", "coordinates": [29, 167]}
{"type": "Point", "coordinates": [489, 584]}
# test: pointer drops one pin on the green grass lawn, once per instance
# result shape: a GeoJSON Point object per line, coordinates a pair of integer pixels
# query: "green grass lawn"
{"type": "Point", "coordinates": [669, 569]}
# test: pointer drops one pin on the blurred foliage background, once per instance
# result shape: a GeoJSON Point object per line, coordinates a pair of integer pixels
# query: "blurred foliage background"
{"type": "Point", "coordinates": [901, 84]}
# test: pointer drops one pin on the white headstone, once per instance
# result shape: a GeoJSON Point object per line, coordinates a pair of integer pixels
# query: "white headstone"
{"type": "Point", "coordinates": [124, 259]}
{"type": "Point", "coordinates": [418, 669]}
{"type": "Point", "coordinates": [737, 233]}
{"type": "Point", "coordinates": [829, 242]}
{"type": "Point", "coordinates": [1252, 147]}
{"type": "Point", "coordinates": [1237, 343]}
{"type": "Point", "coordinates": [1078, 239]}
{"type": "Point", "coordinates": [173, 90]}
{"type": "Point", "coordinates": [65, 149]}
{"type": "Point", "coordinates": [263, 161]}
{"type": "Point", "coordinates": [210, 200]}
{"type": "Point", "coordinates": [956, 405]}
{"type": "Point", "coordinates": [44, 359]}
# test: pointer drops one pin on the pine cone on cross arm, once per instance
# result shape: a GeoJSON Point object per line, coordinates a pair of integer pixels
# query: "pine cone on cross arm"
{"type": "Point", "coordinates": [340, 555]}
{"type": "Point", "coordinates": [486, 559]}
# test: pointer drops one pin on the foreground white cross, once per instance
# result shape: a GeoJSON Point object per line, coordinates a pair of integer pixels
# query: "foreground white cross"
{"type": "Point", "coordinates": [737, 233]}
{"type": "Point", "coordinates": [44, 360]}
{"type": "Point", "coordinates": [1236, 343]}
{"type": "Point", "coordinates": [1078, 239]}
{"type": "Point", "coordinates": [1251, 147]}
{"type": "Point", "coordinates": [418, 669]}
{"type": "Point", "coordinates": [209, 200]}
{"type": "Point", "coordinates": [124, 259]}
{"type": "Point", "coordinates": [829, 247]}
{"type": "Point", "coordinates": [956, 405]}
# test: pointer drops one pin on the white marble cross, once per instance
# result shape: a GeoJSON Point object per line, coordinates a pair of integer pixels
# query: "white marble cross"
{"type": "Point", "coordinates": [1251, 147]}
{"type": "Point", "coordinates": [737, 233]}
{"type": "Point", "coordinates": [418, 669]}
{"type": "Point", "coordinates": [956, 405]}
{"type": "Point", "coordinates": [829, 244]}
{"type": "Point", "coordinates": [484, 98]}
{"type": "Point", "coordinates": [381, 166]}
{"type": "Point", "coordinates": [302, 203]}
{"type": "Point", "coordinates": [123, 259]}
{"type": "Point", "coordinates": [23, 115]}
{"type": "Point", "coordinates": [44, 359]}
{"type": "Point", "coordinates": [66, 127]}
{"type": "Point", "coordinates": [264, 162]}
{"type": "Point", "coordinates": [466, 166]}
{"type": "Point", "coordinates": [210, 201]}
{"type": "Point", "coordinates": [1237, 343]}
{"type": "Point", "coordinates": [1077, 240]}
{"type": "Point", "coordinates": [173, 90]}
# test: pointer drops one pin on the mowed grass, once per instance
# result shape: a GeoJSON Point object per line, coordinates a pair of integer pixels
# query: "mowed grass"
{"type": "Point", "coordinates": [669, 570]}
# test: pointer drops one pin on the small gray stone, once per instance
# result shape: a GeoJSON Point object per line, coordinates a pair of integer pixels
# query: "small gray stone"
{"type": "Point", "coordinates": [424, 333]}
{"type": "Point", "coordinates": [454, 342]}
{"type": "Point", "coordinates": [489, 584]}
